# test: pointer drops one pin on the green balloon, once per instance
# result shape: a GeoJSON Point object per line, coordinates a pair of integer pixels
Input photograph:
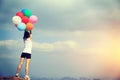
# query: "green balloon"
{"type": "Point", "coordinates": [27, 13]}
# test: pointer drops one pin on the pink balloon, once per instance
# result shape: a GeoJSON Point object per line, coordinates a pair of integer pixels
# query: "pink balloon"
{"type": "Point", "coordinates": [33, 19]}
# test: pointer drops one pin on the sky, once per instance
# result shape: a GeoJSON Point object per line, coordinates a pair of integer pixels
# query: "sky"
{"type": "Point", "coordinates": [71, 38]}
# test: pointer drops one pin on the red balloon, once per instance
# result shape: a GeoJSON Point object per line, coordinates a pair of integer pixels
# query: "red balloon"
{"type": "Point", "coordinates": [20, 14]}
{"type": "Point", "coordinates": [25, 19]}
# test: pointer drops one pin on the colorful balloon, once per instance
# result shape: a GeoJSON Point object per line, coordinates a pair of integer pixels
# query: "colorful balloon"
{"type": "Point", "coordinates": [27, 12]}
{"type": "Point", "coordinates": [33, 19]}
{"type": "Point", "coordinates": [29, 26]}
{"type": "Point", "coordinates": [23, 10]}
{"type": "Point", "coordinates": [21, 26]}
{"type": "Point", "coordinates": [25, 19]}
{"type": "Point", "coordinates": [16, 19]}
{"type": "Point", "coordinates": [20, 14]}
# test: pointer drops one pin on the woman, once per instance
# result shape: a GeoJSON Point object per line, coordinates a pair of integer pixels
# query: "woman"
{"type": "Point", "coordinates": [26, 54]}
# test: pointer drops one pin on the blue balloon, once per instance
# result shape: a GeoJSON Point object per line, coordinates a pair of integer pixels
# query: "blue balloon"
{"type": "Point", "coordinates": [21, 26]}
{"type": "Point", "coordinates": [23, 10]}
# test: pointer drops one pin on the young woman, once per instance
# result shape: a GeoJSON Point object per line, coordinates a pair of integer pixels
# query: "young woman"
{"type": "Point", "coordinates": [26, 54]}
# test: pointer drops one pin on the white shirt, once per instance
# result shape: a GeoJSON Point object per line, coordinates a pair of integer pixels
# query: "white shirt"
{"type": "Point", "coordinates": [27, 46]}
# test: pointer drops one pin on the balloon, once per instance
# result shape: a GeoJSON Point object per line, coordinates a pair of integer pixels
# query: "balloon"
{"type": "Point", "coordinates": [27, 12]}
{"type": "Point", "coordinates": [21, 26]}
{"type": "Point", "coordinates": [29, 26]}
{"type": "Point", "coordinates": [16, 19]}
{"type": "Point", "coordinates": [23, 10]}
{"type": "Point", "coordinates": [33, 19]}
{"type": "Point", "coordinates": [20, 14]}
{"type": "Point", "coordinates": [25, 19]}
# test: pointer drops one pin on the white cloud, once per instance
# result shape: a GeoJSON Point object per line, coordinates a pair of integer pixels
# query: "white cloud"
{"type": "Point", "coordinates": [76, 41]}
{"type": "Point", "coordinates": [9, 56]}
{"type": "Point", "coordinates": [10, 44]}
{"type": "Point", "coordinates": [57, 46]}
{"type": "Point", "coordinates": [45, 47]}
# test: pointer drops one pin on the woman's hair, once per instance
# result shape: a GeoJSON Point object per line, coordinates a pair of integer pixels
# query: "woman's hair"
{"type": "Point", "coordinates": [26, 35]}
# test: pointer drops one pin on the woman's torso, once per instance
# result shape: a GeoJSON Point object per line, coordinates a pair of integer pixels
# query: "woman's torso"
{"type": "Point", "coordinates": [27, 46]}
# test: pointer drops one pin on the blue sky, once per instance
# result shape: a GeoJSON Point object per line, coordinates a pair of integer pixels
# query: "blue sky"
{"type": "Point", "coordinates": [71, 38]}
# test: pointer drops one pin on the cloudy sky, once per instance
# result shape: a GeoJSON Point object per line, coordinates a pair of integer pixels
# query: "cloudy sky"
{"type": "Point", "coordinates": [71, 38]}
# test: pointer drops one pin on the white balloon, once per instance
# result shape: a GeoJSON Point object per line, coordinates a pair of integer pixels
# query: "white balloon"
{"type": "Point", "coordinates": [16, 19]}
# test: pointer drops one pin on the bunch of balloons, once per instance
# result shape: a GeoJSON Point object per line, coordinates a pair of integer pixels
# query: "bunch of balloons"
{"type": "Point", "coordinates": [24, 20]}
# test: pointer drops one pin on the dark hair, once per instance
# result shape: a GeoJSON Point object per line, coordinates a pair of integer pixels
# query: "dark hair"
{"type": "Point", "coordinates": [26, 35]}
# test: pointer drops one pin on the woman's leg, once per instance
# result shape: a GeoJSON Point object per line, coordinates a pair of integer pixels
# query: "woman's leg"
{"type": "Point", "coordinates": [27, 66]}
{"type": "Point", "coordinates": [20, 65]}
